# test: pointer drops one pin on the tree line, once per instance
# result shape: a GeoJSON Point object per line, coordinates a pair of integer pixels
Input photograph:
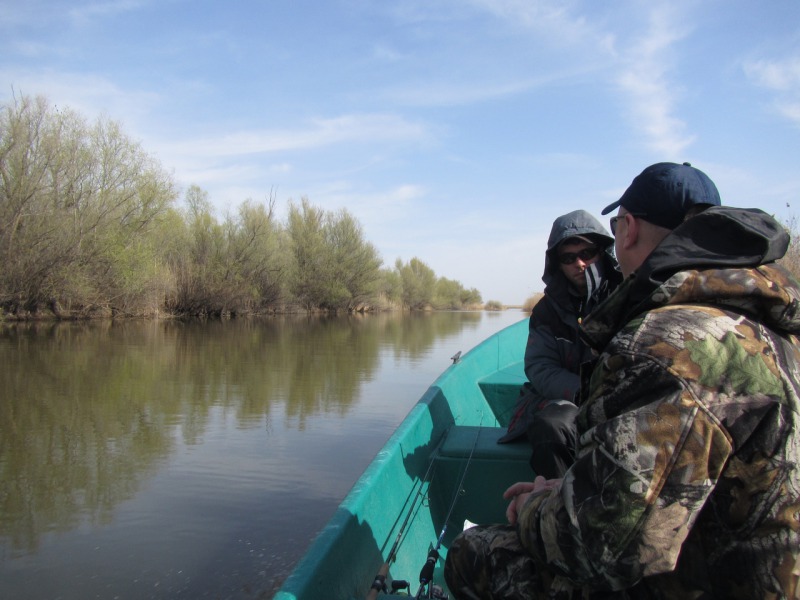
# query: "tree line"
{"type": "Point", "coordinates": [91, 225]}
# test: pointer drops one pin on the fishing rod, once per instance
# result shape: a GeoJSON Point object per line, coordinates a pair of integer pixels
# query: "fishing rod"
{"type": "Point", "coordinates": [426, 573]}
{"type": "Point", "coordinates": [379, 584]}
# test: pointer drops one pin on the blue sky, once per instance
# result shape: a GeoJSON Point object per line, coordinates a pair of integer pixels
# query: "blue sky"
{"type": "Point", "coordinates": [455, 131]}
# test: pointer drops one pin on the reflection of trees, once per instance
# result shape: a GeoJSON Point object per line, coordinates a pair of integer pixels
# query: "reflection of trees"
{"type": "Point", "coordinates": [76, 431]}
{"type": "Point", "coordinates": [414, 334]}
{"type": "Point", "coordinates": [88, 410]}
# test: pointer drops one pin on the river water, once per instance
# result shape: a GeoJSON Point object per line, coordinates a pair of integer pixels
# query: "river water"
{"type": "Point", "coordinates": [166, 459]}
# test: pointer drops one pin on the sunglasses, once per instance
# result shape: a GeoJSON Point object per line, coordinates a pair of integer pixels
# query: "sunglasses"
{"type": "Point", "coordinates": [586, 254]}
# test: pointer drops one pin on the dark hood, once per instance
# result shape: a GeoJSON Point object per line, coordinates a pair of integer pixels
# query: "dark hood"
{"type": "Point", "coordinates": [719, 237]}
{"type": "Point", "coordinates": [576, 223]}
{"type": "Point", "coordinates": [725, 257]}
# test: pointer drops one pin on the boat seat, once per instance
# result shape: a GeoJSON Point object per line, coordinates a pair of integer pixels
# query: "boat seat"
{"type": "Point", "coordinates": [460, 439]}
{"type": "Point", "coordinates": [512, 376]}
{"type": "Point", "coordinates": [492, 469]}
{"type": "Point", "coordinates": [502, 390]}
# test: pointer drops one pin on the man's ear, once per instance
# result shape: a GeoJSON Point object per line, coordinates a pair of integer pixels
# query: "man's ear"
{"type": "Point", "coordinates": [632, 231]}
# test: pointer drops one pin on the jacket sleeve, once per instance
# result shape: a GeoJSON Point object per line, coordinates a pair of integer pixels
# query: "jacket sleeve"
{"type": "Point", "coordinates": [548, 363]}
{"type": "Point", "coordinates": [644, 471]}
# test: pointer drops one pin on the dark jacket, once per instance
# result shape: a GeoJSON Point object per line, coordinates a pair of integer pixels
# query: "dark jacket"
{"type": "Point", "coordinates": [555, 352]}
{"type": "Point", "coordinates": [687, 479]}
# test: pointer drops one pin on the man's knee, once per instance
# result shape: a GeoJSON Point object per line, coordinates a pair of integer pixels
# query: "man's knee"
{"type": "Point", "coordinates": [554, 422]}
{"type": "Point", "coordinates": [489, 562]}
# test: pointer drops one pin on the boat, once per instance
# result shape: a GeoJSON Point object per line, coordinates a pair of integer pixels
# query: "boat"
{"type": "Point", "coordinates": [440, 470]}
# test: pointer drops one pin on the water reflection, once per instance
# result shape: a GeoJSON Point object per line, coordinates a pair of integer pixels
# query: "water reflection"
{"type": "Point", "coordinates": [90, 411]}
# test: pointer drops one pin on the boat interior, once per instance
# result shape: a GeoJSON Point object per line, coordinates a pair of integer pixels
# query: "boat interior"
{"type": "Point", "coordinates": [441, 469]}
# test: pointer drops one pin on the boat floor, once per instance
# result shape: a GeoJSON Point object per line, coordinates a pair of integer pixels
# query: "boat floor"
{"type": "Point", "coordinates": [492, 468]}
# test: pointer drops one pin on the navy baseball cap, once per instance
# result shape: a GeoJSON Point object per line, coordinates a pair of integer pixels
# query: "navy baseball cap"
{"type": "Point", "coordinates": [663, 193]}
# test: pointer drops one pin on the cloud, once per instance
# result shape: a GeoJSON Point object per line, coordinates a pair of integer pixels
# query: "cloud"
{"type": "Point", "coordinates": [366, 128]}
{"type": "Point", "coordinates": [551, 45]}
{"type": "Point", "coordinates": [461, 94]}
{"type": "Point", "coordinates": [88, 12]}
{"type": "Point", "coordinates": [90, 95]}
{"type": "Point", "coordinates": [379, 211]}
{"type": "Point", "coordinates": [651, 95]}
{"type": "Point", "coordinates": [554, 20]}
{"type": "Point", "coordinates": [19, 14]}
{"type": "Point", "coordinates": [35, 13]}
{"type": "Point", "coordinates": [775, 75]}
{"type": "Point", "coordinates": [781, 77]}
{"type": "Point", "coordinates": [383, 52]}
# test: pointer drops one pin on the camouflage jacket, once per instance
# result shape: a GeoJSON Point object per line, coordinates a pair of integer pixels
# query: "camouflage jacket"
{"type": "Point", "coordinates": [687, 483]}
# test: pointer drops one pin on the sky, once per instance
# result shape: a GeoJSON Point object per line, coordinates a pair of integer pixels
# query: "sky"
{"type": "Point", "coordinates": [454, 131]}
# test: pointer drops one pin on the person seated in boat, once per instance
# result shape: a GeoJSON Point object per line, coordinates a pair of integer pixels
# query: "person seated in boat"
{"type": "Point", "coordinates": [686, 483]}
{"type": "Point", "coordinates": [579, 271]}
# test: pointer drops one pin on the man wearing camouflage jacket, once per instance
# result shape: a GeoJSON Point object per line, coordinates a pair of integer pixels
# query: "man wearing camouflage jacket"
{"type": "Point", "coordinates": [687, 479]}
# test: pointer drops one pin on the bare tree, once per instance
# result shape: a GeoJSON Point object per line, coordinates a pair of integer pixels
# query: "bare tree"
{"type": "Point", "coordinates": [75, 203]}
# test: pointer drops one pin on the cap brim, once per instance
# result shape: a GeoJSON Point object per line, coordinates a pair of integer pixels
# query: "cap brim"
{"type": "Point", "coordinates": [611, 207]}
{"type": "Point", "coordinates": [573, 238]}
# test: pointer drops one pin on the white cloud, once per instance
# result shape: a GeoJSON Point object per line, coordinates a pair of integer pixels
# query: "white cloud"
{"type": "Point", "coordinates": [781, 77]}
{"type": "Point", "coordinates": [90, 95]}
{"type": "Point", "coordinates": [552, 19]}
{"type": "Point", "coordinates": [790, 110]}
{"type": "Point", "coordinates": [557, 46]}
{"type": "Point", "coordinates": [379, 211]}
{"type": "Point", "coordinates": [443, 93]}
{"type": "Point", "coordinates": [88, 12]}
{"type": "Point", "coordinates": [367, 128]}
{"type": "Point", "coordinates": [29, 49]}
{"type": "Point", "coordinates": [17, 14]}
{"type": "Point", "coordinates": [652, 96]}
{"type": "Point", "coordinates": [386, 53]}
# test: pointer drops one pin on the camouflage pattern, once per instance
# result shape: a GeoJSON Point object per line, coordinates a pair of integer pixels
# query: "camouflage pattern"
{"type": "Point", "coordinates": [687, 483]}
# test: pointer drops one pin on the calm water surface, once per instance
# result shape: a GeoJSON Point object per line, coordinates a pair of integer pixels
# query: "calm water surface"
{"type": "Point", "coordinates": [197, 460]}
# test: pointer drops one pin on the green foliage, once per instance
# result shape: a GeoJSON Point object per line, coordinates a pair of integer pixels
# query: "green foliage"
{"type": "Point", "coordinates": [447, 294]}
{"type": "Point", "coordinates": [418, 283]}
{"type": "Point", "coordinates": [390, 286]}
{"type": "Point", "coordinates": [471, 297]}
{"type": "Point", "coordinates": [73, 199]}
{"type": "Point", "coordinates": [231, 267]}
{"type": "Point", "coordinates": [450, 294]}
{"type": "Point", "coordinates": [256, 262]}
{"type": "Point", "coordinates": [88, 226]}
{"type": "Point", "coordinates": [333, 267]}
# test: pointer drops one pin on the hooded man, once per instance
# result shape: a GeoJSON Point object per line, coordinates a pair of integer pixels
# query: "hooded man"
{"type": "Point", "coordinates": [579, 271]}
{"type": "Point", "coordinates": [686, 483]}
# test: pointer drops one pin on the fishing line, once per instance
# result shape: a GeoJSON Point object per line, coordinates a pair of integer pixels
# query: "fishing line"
{"type": "Point", "coordinates": [426, 574]}
{"type": "Point", "coordinates": [379, 583]}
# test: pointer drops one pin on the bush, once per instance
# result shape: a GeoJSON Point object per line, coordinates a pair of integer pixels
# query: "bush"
{"type": "Point", "coordinates": [528, 305]}
{"type": "Point", "coordinates": [791, 260]}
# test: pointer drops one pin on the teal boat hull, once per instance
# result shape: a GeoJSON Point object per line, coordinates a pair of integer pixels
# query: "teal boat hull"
{"type": "Point", "coordinates": [418, 471]}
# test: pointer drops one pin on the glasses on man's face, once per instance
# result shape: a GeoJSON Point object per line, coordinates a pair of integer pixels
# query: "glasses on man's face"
{"type": "Point", "coordinates": [585, 255]}
{"type": "Point", "coordinates": [613, 220]}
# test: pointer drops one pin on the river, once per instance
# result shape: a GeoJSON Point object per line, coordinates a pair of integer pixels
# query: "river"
{"type": "Point", "coordinates": [170, 459]}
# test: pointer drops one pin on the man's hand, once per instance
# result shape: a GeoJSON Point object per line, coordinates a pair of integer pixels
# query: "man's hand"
{"type": "Point", "coordinates": [519, 493]}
